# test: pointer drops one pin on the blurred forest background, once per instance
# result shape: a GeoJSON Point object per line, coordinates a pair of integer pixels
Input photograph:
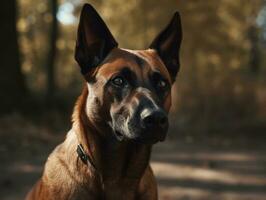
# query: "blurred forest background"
{"type": "Point", "coordinates": [221, 85]}
{"type": "Point", "coordinates": [220, 91]}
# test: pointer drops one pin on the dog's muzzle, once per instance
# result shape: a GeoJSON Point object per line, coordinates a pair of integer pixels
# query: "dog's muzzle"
{"type": "Point", "coordinates": [154, 125]}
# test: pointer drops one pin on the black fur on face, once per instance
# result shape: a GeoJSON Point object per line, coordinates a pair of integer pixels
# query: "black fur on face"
{"type": "Point", "coordinates": [132, 103]}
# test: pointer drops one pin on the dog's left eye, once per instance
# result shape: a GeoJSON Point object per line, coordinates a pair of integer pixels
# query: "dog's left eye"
{"type": "Point", "coordinates": [118, 81]}
{"type": "Point", "coordinates": [162, 84]}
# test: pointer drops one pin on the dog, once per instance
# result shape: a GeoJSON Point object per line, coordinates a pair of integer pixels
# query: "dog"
{"type": "Point", "coordinates": [120, 114]}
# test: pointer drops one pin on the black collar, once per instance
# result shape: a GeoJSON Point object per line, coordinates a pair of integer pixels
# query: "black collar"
{"type": "Point", "coordinates": [84, 157]}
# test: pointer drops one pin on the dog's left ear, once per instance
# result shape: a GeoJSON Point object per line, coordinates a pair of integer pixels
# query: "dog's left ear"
{"type": "Point", "coordinates": [94, 40]}
{"type": "Point", "coordinates": [167, 44]}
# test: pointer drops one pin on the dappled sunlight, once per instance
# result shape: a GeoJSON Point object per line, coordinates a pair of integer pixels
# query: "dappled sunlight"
{"type": "Point", "coordinates": [177, 171]}
{"type": "Point", "coordinates": [199, 172]}
{"type": "Point", "coordinates": [187, 193]}
{"type": "Point", "coordinates": [214, 155]}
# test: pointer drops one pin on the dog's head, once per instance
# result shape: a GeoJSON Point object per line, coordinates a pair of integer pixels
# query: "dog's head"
{"type": "Point", "coordinates": [129, 90]}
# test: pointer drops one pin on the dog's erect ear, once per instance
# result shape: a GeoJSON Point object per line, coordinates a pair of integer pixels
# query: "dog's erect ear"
{"type": "Point", "coordinates": [167, 44]}
{"type": "Point", "coordinates": [94, 40]}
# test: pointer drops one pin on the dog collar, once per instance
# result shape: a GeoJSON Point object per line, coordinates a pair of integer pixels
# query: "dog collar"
{"type": "Point", "coordinates": [84, 157]}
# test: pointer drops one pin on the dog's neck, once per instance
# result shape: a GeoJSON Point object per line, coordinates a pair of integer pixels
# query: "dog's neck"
{"type": "Point", "coordinates": [114, 161]}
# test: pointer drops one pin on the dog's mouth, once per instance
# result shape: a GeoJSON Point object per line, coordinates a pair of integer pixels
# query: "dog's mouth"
{"type": "Point", "coordinates": [119, 136]}
{"type": "Point", "coordinates": [146, 140]}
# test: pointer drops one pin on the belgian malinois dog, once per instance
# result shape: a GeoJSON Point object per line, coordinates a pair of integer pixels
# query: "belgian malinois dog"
{"type": "Point", "coordinates": [120, 114]}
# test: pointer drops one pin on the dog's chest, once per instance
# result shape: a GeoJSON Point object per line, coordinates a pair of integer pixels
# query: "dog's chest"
{"type": "Point", "coordinates": [121, 189]}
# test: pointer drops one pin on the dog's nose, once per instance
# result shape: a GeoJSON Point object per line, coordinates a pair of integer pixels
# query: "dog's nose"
{"type": "Point", "coordinates": [154, 119]}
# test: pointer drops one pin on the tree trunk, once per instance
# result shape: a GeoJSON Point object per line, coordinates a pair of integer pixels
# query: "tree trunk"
{"type": "Point", "coordinates": [12, 85]}
{"type": "Point", "coordinates": [254, 60]}
{"type": "Point", "coordinates": [51, 85]}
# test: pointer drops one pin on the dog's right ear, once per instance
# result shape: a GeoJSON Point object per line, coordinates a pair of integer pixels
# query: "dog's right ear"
{"type": "Point", "coordinates": [94, 40]}
{"type": "Point", "coordinates": [167, 44]}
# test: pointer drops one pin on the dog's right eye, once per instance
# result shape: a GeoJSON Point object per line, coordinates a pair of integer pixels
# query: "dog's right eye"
{"type": "Point", "coordinates": [118, 81]}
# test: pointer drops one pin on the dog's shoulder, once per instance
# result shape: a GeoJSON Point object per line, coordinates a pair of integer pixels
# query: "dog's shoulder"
{"type": "Point", "coordinates": [58, 166]}
{"type": "Point", "coordinates": [62, 155]}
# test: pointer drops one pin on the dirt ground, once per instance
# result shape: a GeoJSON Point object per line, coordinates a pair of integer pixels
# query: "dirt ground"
{"type": "Point", "coordinates": [186, 169]}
